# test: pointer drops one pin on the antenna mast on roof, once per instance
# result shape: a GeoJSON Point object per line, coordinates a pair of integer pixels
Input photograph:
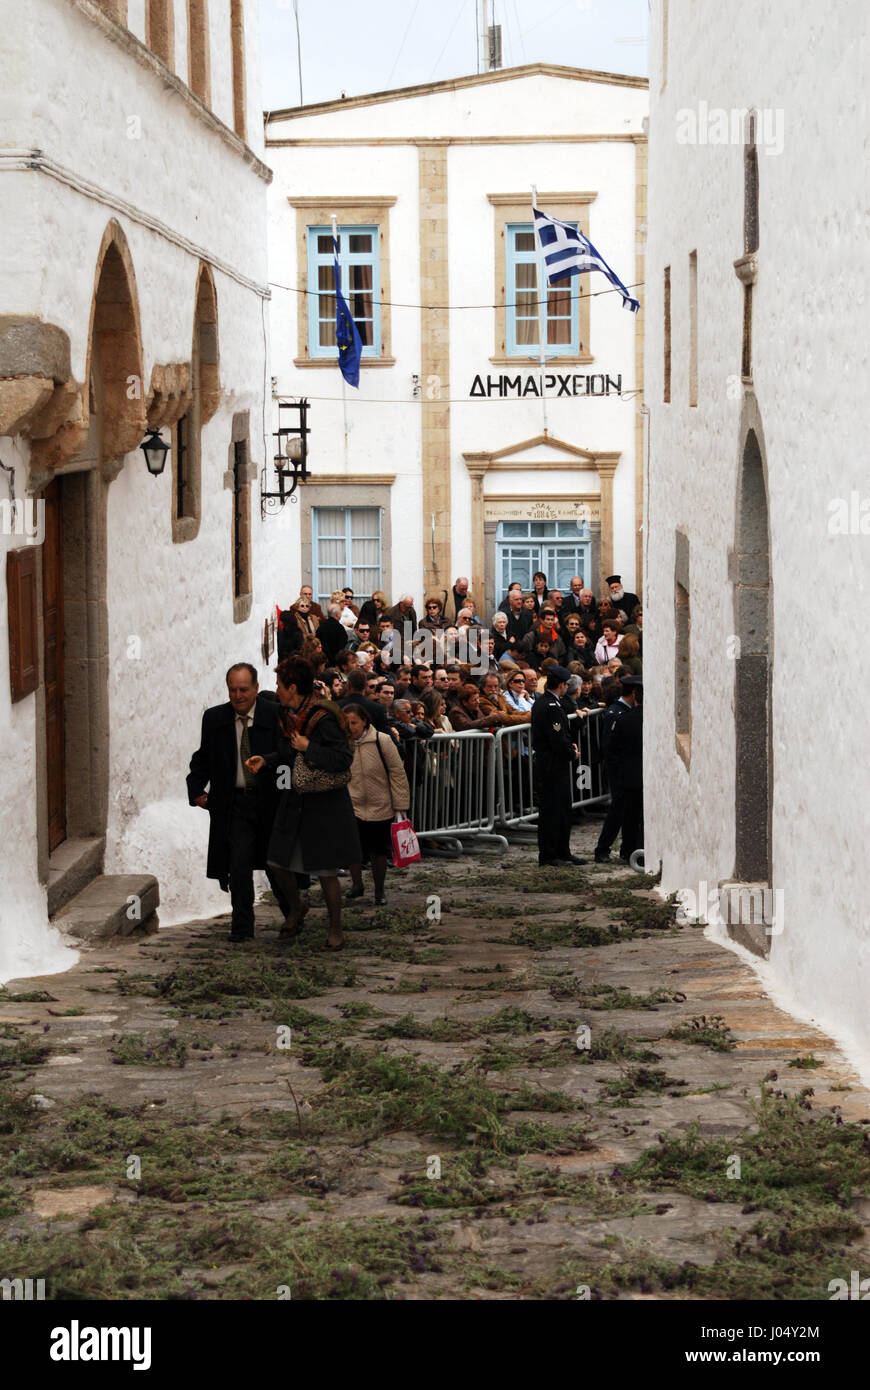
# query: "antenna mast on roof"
{"type": "Point", "coordinates": [488, 39]}
{"type": "Point", "coordinates": [298, 49]}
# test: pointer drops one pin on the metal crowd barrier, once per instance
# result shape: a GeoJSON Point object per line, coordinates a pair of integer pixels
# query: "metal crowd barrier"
{"type": "Point", "coordinates": [589, 775]}
{"type": "Point", "coordinates": [515, 805]}
{"type": "Point", "coordinates": [474, 785]}
{"type": "Point", "coordinates": [452, 781]}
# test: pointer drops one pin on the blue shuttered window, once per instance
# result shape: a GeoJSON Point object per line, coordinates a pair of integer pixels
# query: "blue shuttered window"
{"type": "Point", "coordinates": [359, 264]}
{"type": "Point", "coordinates": [346, 545]}
{"type": "Point", "coordinates": [521, 295]}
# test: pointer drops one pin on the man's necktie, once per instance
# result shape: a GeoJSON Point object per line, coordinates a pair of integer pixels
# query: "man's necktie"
{"type": "Point", "coordinates": [245, 749]}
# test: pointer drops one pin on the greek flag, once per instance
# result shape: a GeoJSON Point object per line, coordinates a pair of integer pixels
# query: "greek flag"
{"type": "Point", "coordinates": [568, 252]}
{"type": "Point", "coordinates": [346, 332]}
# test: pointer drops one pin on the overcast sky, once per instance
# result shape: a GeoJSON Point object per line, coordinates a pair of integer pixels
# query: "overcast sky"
{"type": "Point", "coordinates": [356, 46]}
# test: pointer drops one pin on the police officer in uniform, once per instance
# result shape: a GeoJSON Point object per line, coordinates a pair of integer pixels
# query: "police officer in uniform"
{"type": "Point", "coordinates": [626, 751]}
{"type": "Point", "coordinates": [613, 820]}
{"type": "Point", "coordinates": [554, 755]}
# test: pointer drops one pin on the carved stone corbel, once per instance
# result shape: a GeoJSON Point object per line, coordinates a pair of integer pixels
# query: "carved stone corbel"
{"type": "Point", "coordinates": [170, 395]}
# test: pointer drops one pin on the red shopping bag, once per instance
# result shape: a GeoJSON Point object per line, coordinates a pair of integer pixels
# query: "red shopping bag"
{"type": "Point", "coordinates": [406, 846]}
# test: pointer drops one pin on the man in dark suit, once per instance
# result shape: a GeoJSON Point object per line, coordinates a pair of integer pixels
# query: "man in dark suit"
{"type": "Point", "coordinates": [333, 637]}
{"type": "Point", "coordinates": [519, 620]}
{"type": "Point", "coordinates": [571, 600]}
{"type": "Point", "coordinates": [626, 753]}
{"type": "Point", "coordinates": [554, 754]}
{"type": "Point", "coordinates": [614, 712]}
{"type": "Point", "coordinates": [356, 695]}
{"type": "Point", "coordinates": [241, 806]}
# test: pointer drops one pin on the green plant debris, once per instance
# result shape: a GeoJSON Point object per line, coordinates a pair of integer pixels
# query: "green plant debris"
{"type": "Point", "coordinates": [19, 1051]}
{"type": "Point", "coordinates": [710, 1032]}
{"type": "Point", "coordinates": [33, 996]}
{"type": "Point", "coordinates": [132, 1049]}
{"type": "Point", "coordinates": [639, 1080]}
{"type": "Point", "coordinates": [375, 1093]}
{"type": "Point", "coordinates": [609, 1045]}
{"type": "Point", "coordinates": [806, 1063]}
{"type": "Point", "coordinates": [603, 996]}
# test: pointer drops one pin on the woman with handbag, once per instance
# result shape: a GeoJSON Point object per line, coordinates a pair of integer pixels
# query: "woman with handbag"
{"type": "Point", "coordinates": [379, 791]}
{"type": "Point", "coordinates": [315, 829]}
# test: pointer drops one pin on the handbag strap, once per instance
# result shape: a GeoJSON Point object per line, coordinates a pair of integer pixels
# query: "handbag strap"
{"type": "Point", "coordinates": [381, 751]}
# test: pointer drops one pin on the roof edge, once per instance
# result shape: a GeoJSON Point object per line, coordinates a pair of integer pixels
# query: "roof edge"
{"type": "Point", "coordinates": [455, 84]}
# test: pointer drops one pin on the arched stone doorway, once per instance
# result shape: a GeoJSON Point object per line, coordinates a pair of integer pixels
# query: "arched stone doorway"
{"type": "Point", "coordinates": [752, 691]}
{"type": "Point", "coordinates": [75, 742]}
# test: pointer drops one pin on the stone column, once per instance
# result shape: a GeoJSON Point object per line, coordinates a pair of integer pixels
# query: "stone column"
{"type": "Point", "coordinates": [606, 465]}
{"type": "Point", "coordinates": [435, 367]}
{"type": "Point", "coordinates": [477, 472]}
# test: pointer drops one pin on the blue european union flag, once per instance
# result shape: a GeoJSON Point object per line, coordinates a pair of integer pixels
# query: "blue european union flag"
{"type": "Point", "coordinates": [346, 332]}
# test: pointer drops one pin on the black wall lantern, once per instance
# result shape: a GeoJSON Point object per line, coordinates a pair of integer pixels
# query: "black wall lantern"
{"type": "Point", "coordinates": [291, 458]}
{"type": "Point", "coordinates": [155, 450]}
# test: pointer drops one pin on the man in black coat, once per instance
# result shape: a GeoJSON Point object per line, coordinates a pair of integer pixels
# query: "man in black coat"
{"type": "Point", "coordinates": [332, 636]}
{"type": "Point", "coordinates": [622, 600]}
{"type": "Point", "coordinates": [356, 687]}
{"type": "Point", "coordinates": [519, 620]}
{"type": "Point", "coordinates": [614, 713]}
{"type": "Point", "coordinates": [241, 807]}
{"type": "Point", "coordinates": [554, 756]}
{"type": "Point", "coordinates": [626, 752]}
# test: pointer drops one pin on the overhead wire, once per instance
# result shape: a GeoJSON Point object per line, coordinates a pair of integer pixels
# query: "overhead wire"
{"type": "Point", "coordinates": [453, 308]}
{"type": "Point", "coordinates": [458, 400]}
{"type": "Point", "coordinates": [463, 7]}
{"type": "Point", "coordinates": [402, 44]}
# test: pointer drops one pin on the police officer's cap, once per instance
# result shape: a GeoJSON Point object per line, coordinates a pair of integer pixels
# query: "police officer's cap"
{"type": "Point", "coordinates": [557, 674]}
{"type": "Point", "coordinates": [632, 682]}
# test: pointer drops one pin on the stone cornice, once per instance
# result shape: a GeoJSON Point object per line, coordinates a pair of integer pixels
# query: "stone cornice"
{"type": "Point", "coordinates": [457, 84]}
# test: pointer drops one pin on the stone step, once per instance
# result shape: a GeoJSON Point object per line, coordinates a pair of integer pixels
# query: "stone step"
{"type": "Point", "coordinates": [110, 905]}
{"type": "Point", "coordinates": [71, 868]}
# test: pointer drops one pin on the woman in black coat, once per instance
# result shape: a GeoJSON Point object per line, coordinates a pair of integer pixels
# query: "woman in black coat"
{"type": "Point", "coordinates": [314, 832]}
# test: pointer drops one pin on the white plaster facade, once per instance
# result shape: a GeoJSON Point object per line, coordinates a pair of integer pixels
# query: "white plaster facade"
{"type": "Point", "coordinates": [561, 129]}
{"type": "Point", "coordinates": [805, 71]}
{"type": "Point", "coordinates": [120, 139]}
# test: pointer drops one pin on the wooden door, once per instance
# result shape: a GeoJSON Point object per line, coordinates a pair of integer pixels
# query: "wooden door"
{"type": "Point", "coordinates": [52, 617]}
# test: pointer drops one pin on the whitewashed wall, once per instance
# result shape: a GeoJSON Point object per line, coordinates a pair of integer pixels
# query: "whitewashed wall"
{"type": "Point", "coordinates": [811, 378]}
{"type": "Point", "coordinates": [176, 598]}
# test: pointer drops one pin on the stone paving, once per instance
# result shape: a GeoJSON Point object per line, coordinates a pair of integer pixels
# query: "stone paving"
{"type": "Point", "coordinates": [485, 1106]}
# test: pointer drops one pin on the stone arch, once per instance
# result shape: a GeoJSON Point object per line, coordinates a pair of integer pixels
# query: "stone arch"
{"type": "Point", "coordinates": [73, 732]}
{"type": "Point", "coordinates": [752, 691]}
{"type": "Point", "coordinates": [205, 343]}
{"type": "Point", "coordinates": [115, 342]}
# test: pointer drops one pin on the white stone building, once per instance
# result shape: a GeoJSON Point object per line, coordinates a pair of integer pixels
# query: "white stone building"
{"type": "Point", "coordinates": [453, 464]}
{"type": "Point", "coordinates": [757, 508]}
{"type": "Point", "coordinates": [132, 294]}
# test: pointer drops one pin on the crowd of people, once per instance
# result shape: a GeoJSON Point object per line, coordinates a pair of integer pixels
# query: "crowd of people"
{"type": "Point", "coordinates": [307, 780]}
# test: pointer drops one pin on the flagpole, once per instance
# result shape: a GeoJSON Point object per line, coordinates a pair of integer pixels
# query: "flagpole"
{"type": "Point", "coordinates": [343, 382]}
{"type": "Point", "coordinates": [542, 306]}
